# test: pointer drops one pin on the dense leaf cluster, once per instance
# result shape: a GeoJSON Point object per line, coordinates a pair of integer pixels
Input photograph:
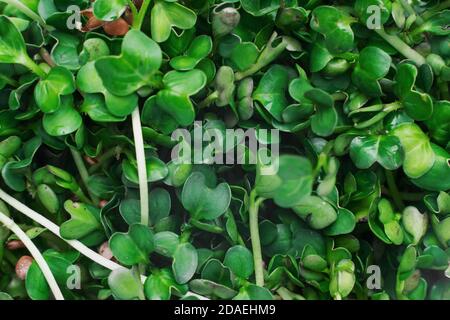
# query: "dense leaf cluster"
{"type": "Point", "coordinates": [358, 209]}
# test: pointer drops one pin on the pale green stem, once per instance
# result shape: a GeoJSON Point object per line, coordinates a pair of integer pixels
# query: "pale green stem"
{"type": "Point", "coordinates": [255, 239]}
{"type": "Point", "coordinates": [43, 221]}
{"type": "Point", "coordinates": [11, 225]}
{"type": "Point", "coordinates": [402, 47]}
{"type": "Point", "coordinates": [393, 190]}
{"type": "Point", "coordinates": [83, 173]}
{"type": "Point", "coordinates": [8, 80]}
{"type": "Point", "coordinates": [30, 64]}
{"type": "Point", "coordinates": [137, 22]}
{"type": "Point", "coordinates": [141, 165]}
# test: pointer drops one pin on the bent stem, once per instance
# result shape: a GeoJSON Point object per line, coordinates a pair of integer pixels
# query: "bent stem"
{"type": "Point", "coordinates": [77, 245]}
{"type": "Point", "coordinates": [254, 235]}
{"type": "Point", "coordinates": [402, 47]}
{"type": "Point", "coordinates": [43, 221]}
{"type": "Point", "coordinates": [11, 225]}
{"type": "Point", "coordinates": [141, 165]}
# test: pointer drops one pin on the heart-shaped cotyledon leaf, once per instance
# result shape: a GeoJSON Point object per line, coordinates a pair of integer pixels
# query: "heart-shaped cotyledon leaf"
{"type": "Point", "coordinates": [324, 121]}
{"type": "Point", "coordinates": [415, 223]}
{"type": "Point", "coordinates": [95, 107]}
{"type": "Point", "coordinates": [160, 285]}
{"type": "Point", "coordinates": [418, 106]}
{"type": "Point", "coordinates": [386, 150]}
{"type": "Point", "coordinates": [373, 65]}
{"type": "Point", "coordinates": [204, 202]}
{"type": "Point", "coordinates": [14, 172]}
{"type": "Point", "coordinates": [334, 25]}
{"type": "Point", "coordinates": [168, 14]}
{"type": "Point", "coordinates": [63, 121]}
{"type": "Point", "coordinates": [287, 181]}
{"type": "Point", "coordinates": [174, 98]}
{"type": "Point", "coordinates": [185, 262]}
{"type": "Point", "coordinates": [432, 180]}
{"type": "Point", "coordinates": [199, 49]}
{"type": "Point", "coordinates": [125, 285]}
{"type": "Point", "coordinates": [419, 156]}
{"type": "Point", "coordinates": [316, 211]}
{"type": "Point", "coordinates": [59, 264]}
{"type": "Point", "coordinates": [59, 82]}
{"type": "Point", "coordinates": [271, 91]}
{"type": "Point", "coordinates": [89, 81]}
{"type": "Point", "coordinates": [134, 246]}
{"type": "Point", "coordinates": [135, 68]}
{"type": "Point", "coordinates": [240, 261]}
{"type": "Point", "coordinates": [84, 220]}
{"type": "Point", "coordinates": [109, 10]}
{"type": "Point", "coordinates": [156, 170]}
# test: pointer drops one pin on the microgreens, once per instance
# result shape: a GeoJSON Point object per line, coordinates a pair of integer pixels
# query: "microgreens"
{"type": "Point", "coordinates": [94, 204]}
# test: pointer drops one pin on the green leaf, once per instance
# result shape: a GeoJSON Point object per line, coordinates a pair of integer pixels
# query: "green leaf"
{"type": "Point", "coordinates": [12, 44]}
{"type": "Point", "coordinates": [240, 261]}
{"type": "Point", "coordinates": [59, 82]}
{"type": "Point", "coordinates": [199, 49]}
{"type": "Point", "coordinates": [373, 65]}
{"type": "Point", "coordinates": [363, 9]}
{"type": "Point", "coordinates": [415, 223]}
{"type": "Point", "coordinates": [109, 10]}
{"type": "Point", "coordinates": [334, 25]}
{"type": "Point", "coordinates": [125, 285]}
{"type": "Point", "coordinates": [160, 285]}
{"type": "Point", "coordinates": [135, 68]}
{"type": "Point", "coordinates": [432, 179]}
{"type": "Point", "coordinates": [253, 292]}
{"type": "Point", "coordinates": [134, 246]}
{"type": "Point", "coordinates": [84, 220]}
{"type": "Point", "coordinates": [174, 99]}
{"type": "Point", "coordinates": [386, 150]}
{"type": "Point", "coordinates": [288, 184]}
{"type": "Point", "coordinates": [345, 223]}
{"type": "Point", "coordinates": [260, 7]}
{"type": "Point", "coordinates": [418, 106]}
{"type": "Point", "coordinates": [156, 170]}
{"type": "Point", "coordinates": [271, 91]}
{"type": "Point", "coordinates": [316, 211]}
{"type": "Point", "coordinates": [89, 81]}
{"type": "Point", "coordinates": [204, 202]}
{"type": "Point", "coordinates": [63, 121]}
{"type": "Point", "coordinates": [166, 15]}
{"type": "Point", "coordinates": [419, 156]}
{"type": "Point", "coordinates": [324, 121]}
{"type": "Point", "coordinates": [185, 261]}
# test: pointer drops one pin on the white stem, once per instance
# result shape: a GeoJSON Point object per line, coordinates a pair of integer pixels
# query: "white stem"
{"type": "Point", "coordinates": [43, 221]}
{"type": "Point", "coordinates": [11, 225]}
{"type": "Point", "coordinates": [55, 229]}
{"type": "Point", "coordinates": [141, 165]}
